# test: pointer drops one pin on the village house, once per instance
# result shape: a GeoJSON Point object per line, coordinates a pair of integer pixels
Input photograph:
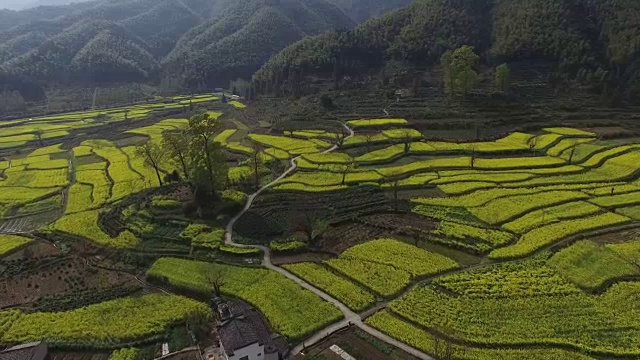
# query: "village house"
{"type": "Point", "coordinates": [245, 335]}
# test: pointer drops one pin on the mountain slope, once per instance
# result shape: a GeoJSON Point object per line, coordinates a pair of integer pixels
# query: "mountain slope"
{"type": "Point", "coordinates": [245, 34]}
{"type": "Point", "coordinates": [361, 10]}
{"type": "Point", "coordinates": [583, 37]}
{"type": "Point", "coordinates": [196, 40]}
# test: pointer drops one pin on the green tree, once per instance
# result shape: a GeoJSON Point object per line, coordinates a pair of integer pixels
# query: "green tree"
{"type": "Point", "coordinates": [463, 63]}
{"type": "Point", "coordinates": [208, 161]}
{"type": "Point", "coordinates": [501, 82]}
{"type": "Point", "coordinates": [446, 61]}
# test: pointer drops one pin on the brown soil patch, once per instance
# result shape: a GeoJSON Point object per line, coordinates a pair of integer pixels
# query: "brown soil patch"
{"type": "Point", "coordinates": [56, 277]}
{"type": "Point", "coordinates": [356, 346]}
{"type": "Point", "coordinates": [296, 258]}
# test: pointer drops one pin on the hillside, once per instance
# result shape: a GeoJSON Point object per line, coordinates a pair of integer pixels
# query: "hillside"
{"type": "Point", "coordinates": [361, 10]}
{"type": "Point", "coordinates": [27, 4]}
{"type": "Point", "coordinates": [585, 39]}
{"type": "Point", "coordinates": [246, 33]}
{"type": "Point", "coordinates": [107, 41]}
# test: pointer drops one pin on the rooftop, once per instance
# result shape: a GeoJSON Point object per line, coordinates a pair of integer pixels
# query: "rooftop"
{"type": "Point", "coordinates": [245, 327]}
{"type": "Point", "coordinates": [20, 352]}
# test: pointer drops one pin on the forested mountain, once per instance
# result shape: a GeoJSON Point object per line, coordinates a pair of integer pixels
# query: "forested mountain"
{"type": "Point", "coordinates": [594, 40]}
{"type": "Point", "coordinates": [197, 41]}
{"type": "Point", "coordinates": [28, 4]}
{"type": "Point", "coordinates": [361, 10]}
{"type": "Point", "coordinates": [246, 33]}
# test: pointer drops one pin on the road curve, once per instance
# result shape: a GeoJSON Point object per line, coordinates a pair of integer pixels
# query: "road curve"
{"type": "Point", "coordinates": [350, 317]}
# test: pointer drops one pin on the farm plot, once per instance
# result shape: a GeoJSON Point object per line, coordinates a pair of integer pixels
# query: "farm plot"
{"type": "Point", "coordinates": [376, 122]}
{"type": "Point", "coordinates": [550, 215]}
{"type": "Point", "coordinates": [386, 266]}
{"type": "Point", "coordinates": [590, 266]}
{"type": "Point", "coordinates": [16, 196]}
{"type": "Point", "coordinates": [350, 294]}
{"type": "Point", "coordinates": [475, 238]}
{"type": "Point", "coordinates": [291, 145]}
{"type": "Point", "coordinates": [292, 311]}
{"type": "Point", "coordinates": [97, 180]}
{"type": "Point", "coordinates": [392, 325]}
{"type": "Point", "coordinates": [549, 234]}
{"type": "Point", "coordinates": [11, 242]}
{"type": "Point", "coordinates": [629, 251]}
{"type": "Point", "coordinates": [107, 324]}
{"type": "Point", "coordinates": [85, 225]}
{"type": "Point", "coordinates": [504, 319]}
{"type": "Point", "coordinates": [508, 208]}
{"type": "Point", "coordinates": [18, 176]}
{"type": "Point", "coordinates": [126, 180]}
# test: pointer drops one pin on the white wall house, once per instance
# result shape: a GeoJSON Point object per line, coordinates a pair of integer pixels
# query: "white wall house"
{"type": "Point", "coordinates": [244, 334]}
{"type": "Point", "coordinates": [253, 351]}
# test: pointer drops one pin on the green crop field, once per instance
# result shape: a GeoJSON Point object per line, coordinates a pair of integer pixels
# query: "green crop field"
{"type": "Point", "coordinates": [494, 312]}
{"type": "Point", "coordinates": [590, 266]}
{"type": "Point", "coordinates": [109, 323]}
{"type": "Point", "coordinates": [521, 245]}
{"type": "Point", "coordinates": [347, 292]}
{"type": "Point", "coordinates": [11, 242]}
{"type": "Point", "coordinates": [293, 311]}
{"type": "Point", "coordinates": [386, 266]}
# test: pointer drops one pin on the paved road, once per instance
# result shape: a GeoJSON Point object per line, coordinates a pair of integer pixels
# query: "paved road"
{"type": "Point", "coordinates": [350, 317]}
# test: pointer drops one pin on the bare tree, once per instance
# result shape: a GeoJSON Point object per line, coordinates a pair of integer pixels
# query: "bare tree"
{"type": "Point", "coordinates": [572, 153]}
{"type": "Point", "coordinates": [532, 144]}
{"type": "Point", "coordinates": [340, 136]}
{"type": "Point", "coordinates": [39, 134]}
{"type": "Point", "coordinates": [368, 139]}
{"type": "Point", "coordinates": [473, 156]}
{"type": "Point", "coordinates": [346, 167]}
{"type": "Point", "coordinates": [256, 162]}
{"type": "Point", "coordinates": [311, 224]}
{"type": "Point", "coordinates": [177, 145]}
{"type": "Point", "coordinates": [215, 281]}
{"type": "Point", "coordinates": [395, 185]}
{"type": "Point", "coordinates": [407, 138]}
{"type": "Point", "coordinates": [445, 349]}
{"type": "Point", "coordinates": [153, 155]}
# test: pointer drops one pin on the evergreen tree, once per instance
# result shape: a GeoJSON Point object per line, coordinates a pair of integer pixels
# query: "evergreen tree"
{"type": "Point", "coordinates": [501, 82]}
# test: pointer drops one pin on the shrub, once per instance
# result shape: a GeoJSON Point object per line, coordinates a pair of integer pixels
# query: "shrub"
{"type": "Point", "coordinates": [288, 246]}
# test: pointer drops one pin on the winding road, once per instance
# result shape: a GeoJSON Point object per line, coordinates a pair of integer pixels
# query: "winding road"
{"type": "Point", "coordinates": [350, 317]}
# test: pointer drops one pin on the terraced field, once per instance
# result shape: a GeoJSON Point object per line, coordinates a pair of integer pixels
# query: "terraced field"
{"type": "Point", "coordinates": [485, 246]}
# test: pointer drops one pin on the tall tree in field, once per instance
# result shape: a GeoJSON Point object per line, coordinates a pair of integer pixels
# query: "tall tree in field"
{"type": "Point", "coordinates": [446, 61]}
{"type": "Point", "coordinates": [208, 162]}
{"type": "Point", "coordinates": [501, 82]}
{"type": "Point", "coordinates": [153, 155]}
{"type": "Point", "coordinates": [177, 146]}
{"type": "Point", "coordinates": [463, 62]}
{"type": "Point", "coordinates": [256, 163]}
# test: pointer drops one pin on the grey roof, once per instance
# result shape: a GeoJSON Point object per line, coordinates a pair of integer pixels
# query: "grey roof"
{"type": "Point", "coordinates": [246, 327]}
{"type": "Point", "coordinates": [20, 352]}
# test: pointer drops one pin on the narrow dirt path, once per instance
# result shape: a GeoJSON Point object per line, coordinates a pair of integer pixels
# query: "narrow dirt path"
{"type": "Point", "coordinates": [350, 317]}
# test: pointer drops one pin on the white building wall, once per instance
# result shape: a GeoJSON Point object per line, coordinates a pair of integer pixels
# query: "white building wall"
{"type": "Point", "coordinates": [254, 351]}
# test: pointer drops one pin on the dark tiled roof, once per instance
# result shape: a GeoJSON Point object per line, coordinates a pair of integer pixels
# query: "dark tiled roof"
{"type": "Point", "coordinates": [247, 327]}
{"type": "Point", "coordinates": [20, 352]}
{"type": "Point", "coordinates": [236, 334]}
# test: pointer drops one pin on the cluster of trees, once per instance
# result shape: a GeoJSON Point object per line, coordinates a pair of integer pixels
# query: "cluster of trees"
{"type": "Point", "coordinates": [594, 41]}
{"type": "Point", "coordinates": [201, 160]}
{"type": "Point", "coordinates": [11, 101]}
